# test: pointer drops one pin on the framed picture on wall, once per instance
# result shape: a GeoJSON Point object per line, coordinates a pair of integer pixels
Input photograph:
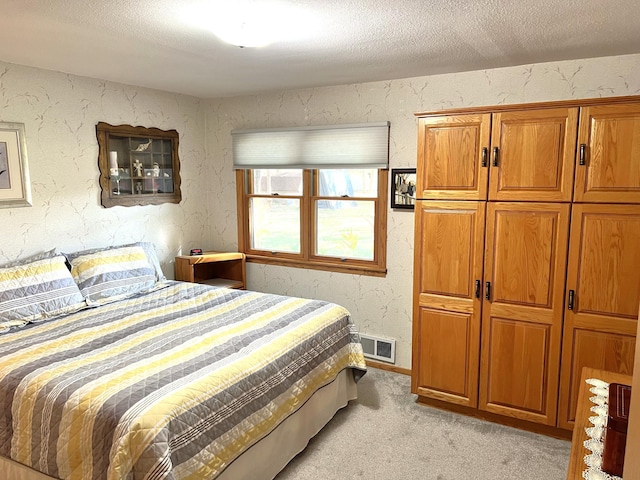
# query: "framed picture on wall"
{"type": "Point", "coordinates": [403, 188]}
{"type": "Point", "coordinates": [15, 188]}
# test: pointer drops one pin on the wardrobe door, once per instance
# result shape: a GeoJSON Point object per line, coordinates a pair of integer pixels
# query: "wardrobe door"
{"type": "Point", "coordinates": [603, 295]}
{"type": "Point", "coordinates": [533, 155]}
{"type": "Point", "coordinates": [525, 267]}
{"type": "Point", "coordinates": [608, 167]}
{"type": "Point", "coordinates": [447, 300]}
{"type": "Point", "coordinates": [453, 158]}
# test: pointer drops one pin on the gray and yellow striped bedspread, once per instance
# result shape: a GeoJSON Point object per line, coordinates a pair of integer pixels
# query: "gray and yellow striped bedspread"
{"type": "Point", "coordinates": [173, 384]}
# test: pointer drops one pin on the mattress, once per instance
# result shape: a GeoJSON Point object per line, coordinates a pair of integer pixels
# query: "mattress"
{"type": "Point", "coordinates": [267, 457]}
{"type": "Point", "coordinates": [182, 382]}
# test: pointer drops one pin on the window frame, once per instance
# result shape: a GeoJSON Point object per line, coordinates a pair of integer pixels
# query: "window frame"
{"type": "Point", "coordinates": [308, 233]}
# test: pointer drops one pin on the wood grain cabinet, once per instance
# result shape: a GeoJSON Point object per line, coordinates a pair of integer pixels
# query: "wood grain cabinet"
{"type": "Point", "coordinates": [603, 294]}
{"type": "Point", "coordinates": [449, 252]}
{"type": "Point", "coordinates": [608, 169]}
{"type": "Point", "coordinates": [457, 147]}
{"type": "Point", "coordinates": [527, 254]}
{"type": "Point", "coordinates": [511, 156]}
{"type": "Point", "coordinates": [525, 259]}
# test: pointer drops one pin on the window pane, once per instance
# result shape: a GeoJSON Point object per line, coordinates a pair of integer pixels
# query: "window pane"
{"type": "Point", "coordinates": [283, 182]}
{"type": "Point", "coordinates": [275, 224]}
{"type": "Point", "coordinates": [345, 229]}
{"type": "Point", "coordinates": [357, 182]}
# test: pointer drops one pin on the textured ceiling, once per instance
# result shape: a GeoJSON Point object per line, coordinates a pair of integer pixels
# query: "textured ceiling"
{"type": "Point", "coordinates": [148, 43]}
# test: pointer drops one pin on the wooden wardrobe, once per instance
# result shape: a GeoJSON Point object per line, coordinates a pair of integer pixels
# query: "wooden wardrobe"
{"type": "Point", "coordinates": [527, 256]}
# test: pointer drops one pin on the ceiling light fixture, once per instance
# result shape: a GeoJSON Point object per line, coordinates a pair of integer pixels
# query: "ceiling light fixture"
{"type": "Point", "coordinates": [244, 32]}
{"type": "Point", "coordinates": [251, 24]}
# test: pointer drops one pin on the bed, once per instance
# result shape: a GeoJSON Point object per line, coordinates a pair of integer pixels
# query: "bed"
{"type": "Point", "coordinates": [169, 381]}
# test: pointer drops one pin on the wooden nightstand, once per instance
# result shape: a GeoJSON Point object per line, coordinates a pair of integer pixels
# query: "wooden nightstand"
{"type": "Point", "coordinates": [221, 269]}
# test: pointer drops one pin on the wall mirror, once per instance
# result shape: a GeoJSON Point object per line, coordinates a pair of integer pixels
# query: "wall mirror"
{"type": "Point", "coordinates": [138, 165]}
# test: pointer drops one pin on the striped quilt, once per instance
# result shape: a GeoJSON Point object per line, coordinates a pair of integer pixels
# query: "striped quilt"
{"type": "Point", "coordinates": [172, 384]}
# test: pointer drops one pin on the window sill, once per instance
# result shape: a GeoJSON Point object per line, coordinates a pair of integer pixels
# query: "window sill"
{"type": "Point", "coordinates": [326, 266]}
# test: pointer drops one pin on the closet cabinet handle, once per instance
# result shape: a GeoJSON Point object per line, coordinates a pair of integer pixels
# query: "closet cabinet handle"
{"type": "Point", "coordinates": [477, 288]}
{"type": "Point", "coordinates": [487, 290]}
{"type": "Point", "coordinates": [485, 154]}
{"type": "Point", "coordinates": [571, 296]}
{"type": "Point", "coordinates": [583, 154]}
{"type": "Point", "coordinates": [495, 156]}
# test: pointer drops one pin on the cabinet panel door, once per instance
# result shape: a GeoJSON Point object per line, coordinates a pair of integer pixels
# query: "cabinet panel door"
{"type": "Point", "coordinates": [443, 355]}
{"type": "Point", "coordinates": [535, 155]}
{"type": "Point", "coordinates": [515, 373]}
{"type": "Point", "coordinates": [610, 140]}
{"type": "Point", "coordinates": [525, 263]}
{"type": "Point", "coordinates": [453, 157]}
{"type": "Point", "coordinates": [449, 241]}
{"type": "Point", "coordinates": [585, 347]}
{"type": "Point", "coordinates": [604, 280]}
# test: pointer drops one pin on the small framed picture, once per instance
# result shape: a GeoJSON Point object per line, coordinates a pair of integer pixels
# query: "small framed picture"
{"type": "Point", "coordinates": [403, 188]}
{"type": "Point", "coordinates": [15, 188]}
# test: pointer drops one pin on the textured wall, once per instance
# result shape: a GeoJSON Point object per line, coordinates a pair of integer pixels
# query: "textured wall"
{"type": "Point", "coordinates": [382, 306]}
{"type": "Point", "coordinates": [60, 113]}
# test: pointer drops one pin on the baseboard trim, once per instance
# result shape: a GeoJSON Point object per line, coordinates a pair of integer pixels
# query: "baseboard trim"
{"type": "Point", "coordinates": [495, 418]}
{"type": "Point", "coordinates": [388, 368]}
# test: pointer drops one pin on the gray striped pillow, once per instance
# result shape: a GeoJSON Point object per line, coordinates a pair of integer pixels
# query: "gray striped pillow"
{"type": "Point", "coordinates": [111, 274]}
{"type": "Point", "coordinates": [39, 289]}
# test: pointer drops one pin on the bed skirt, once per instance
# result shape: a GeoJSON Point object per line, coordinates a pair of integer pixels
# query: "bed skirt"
{"type": "Point", "coordinates": [271, 454]}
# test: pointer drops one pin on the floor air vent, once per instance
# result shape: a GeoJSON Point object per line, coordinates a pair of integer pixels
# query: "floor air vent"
{"type": "Point", "coordinates": [378, 348]}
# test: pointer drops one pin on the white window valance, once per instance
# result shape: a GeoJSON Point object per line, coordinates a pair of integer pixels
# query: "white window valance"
{"type": "Point", "coordinates": [364, 145]}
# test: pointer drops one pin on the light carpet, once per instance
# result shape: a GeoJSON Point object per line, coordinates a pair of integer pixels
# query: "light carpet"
{"type": "Point", "coordinates": [386, 435]}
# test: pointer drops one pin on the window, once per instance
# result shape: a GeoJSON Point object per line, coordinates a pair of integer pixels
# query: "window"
{"type": "Point", "coordinates": [314, 197]}
{"type": "Point", "coordinates": [329, 219]}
